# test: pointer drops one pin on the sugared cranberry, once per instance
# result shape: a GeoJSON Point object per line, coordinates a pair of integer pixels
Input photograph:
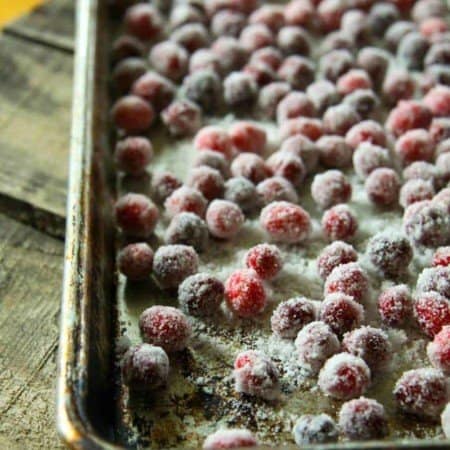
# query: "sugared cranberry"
{"type": "Point", "coordinates": [248, 137]}
{"type": "Point", "coordinates": [440, 130]}
{"type": "Point", "coordinates": [381, 16]}
{"type": "Point", "coordinates": [414, 145]}
{"type": "Point", "coordinates": [355, 24]}
{"type": "Point", "coordinates": [143, 21]}
{"type": "Point", "coordinates": [416, 190]}
{"type": "Point", "coordinates": [305, 126]}
{"type": "Point", "coordinates": [423, 9]}
{"type": "Point", "coordinates": [169, 59]}
{"type": "Point", "coordinates": [126, 72]}
{"type": "Point", "coordinates": [270, 96]}
{"type": "Point", "coordinates": [163, 185]}
{"type": "Point", "coordinates": [395, 305]}
{"type": "Point", "coordinates": [420, 170]}
{"type": "Point", "coordinates": [231, 438]}
{"type": "Point", "coordinates": [256, 36]}
{"type": "Point", "coordinates": [348, 279]}
{"type": "Point", "coordinates": [298, 71]}
{"type": "Point", "coordinates": [208, 181]}
{"type": "Point", "coordinates": [183, 13]}
{"type": "Point", "coordinates": [301, 146]}
{"type": "Point", "coordinates": [182, 118]}
{"type": "Point", "coordinates": [315, 343]}
{"type": "Point", "coordinates": [135, 261]}
{"type": "Point", "coordinates": [432, 26]}
{"type": "Point", "coordinates": [251, 166]}
{"type": "Point", "coordinates": [132, 114]}
{"type": "Point", "coordinates": [188, 229]}
{"type": "Point", "coordinates": [330, 188]}
{"type": "Point", "coordinates": [412, 50]}
{"type": "Point", "coordinates": [366, 131]}
{"type": "Point", "coordinates": [337, 40]}
{"type": "Point", "coordinates": [344, 376]}
{"type": "Point", "coordinates": [334, 255]}
{"type": "Point", "coordinates": [364, 101]}
{"type": "Point", "coordinates": [441, 257]}
{"type": "Point", "coordinates": [422, 392]}
{"type": "Point", "coordinates": [261, 72]}
{"type": "Point", "coordinates": [228, 23]}
{"type": "Point", "coordinates": [205, 58]}
{"type": "Point", "coordinates": [214, 138]}
{"type": "Point", "coordinates": [156, 89]}
{"type": "Point", "coordinates": [275, 189]}
{"type": "Point", "coordinates": [245, 294]}
{"type": "Point", "coordinates": [339, 223]}
{"type": "Point", "coordinates": [239, 89]}
{"type": "Point", "coordinates": [339, 119]}
{"type": "Point", "coordinates": [299, 12]}
{"type": "Point", "coordinates": [320, 429]}
{"type": "Point", "coordinates": [212, 159]}
{"type": "Point", "coordinates": [396, 32]}
{"type": "Point", "coordinates": [438, 350]}
{"type": "Point", "coordinates": [352, 80]}
{"type": "Point", "coordinates": [293, 40]}
{"type": "Point", "coordinates": [382, 186]}
{"type": "Point", "coordinates": [270, 15]}
{"type": "Point", "coordinates": [434, 279]}
{"type": "Point", "coordinates": [231, 53]}
{"type": "Point", "coordinates": [363, 419]}
{"type": "Point", "coordinates": [368, 157]}
{"type": "Point", "coordinates": [287, 165]}
{"type": "Point", "coordinates": [407, 115]}
{"type": "Point", "coordinates": [432, 312]}
{"type": "Point", "coordinates": [265, 260]}
{"type": "Point", "coordinates": [330, 13]}
{"type": "Point", "coordinates": [438, 54]}
{"type": "Point", "coordinates": [295, 104]}
{"type": "Point", "coordinates": [185, 199]}
{"type": "Point", "coordinates": [166, 327]}
{"type": "Point", "coordinates": [191, 36]}
{"type": "Point", "coordinates": [145, 368]}
{"type": "Point", "coordinates": [291, 316]}
{"type": "Point", "coordinates": [323, 93]}
{"type": "Point", "coordinates": [203, 87]}
{"type": "Point", "coordinates": [438, 101]}
{"type": "Point", "coordinates": [133, 155]}
{"type": "Point", "coordinates": [375, 62]}
{"type": "Point", "coordinates": [270, 56]}
{"type": "Point", "coordinates": [334, 152]}
{"type": "Point", "coordinates": [336, 63]}
{"type": "Point", "coordinates": [285, 222]}
{"type": "Point", "coordinates": [243, 192]}
{"type": "Point", "coordinates": [224, 219]}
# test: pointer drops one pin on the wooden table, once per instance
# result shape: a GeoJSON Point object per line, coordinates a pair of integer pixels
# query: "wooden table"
{"type": "Point", "coordinates": [36, 57]}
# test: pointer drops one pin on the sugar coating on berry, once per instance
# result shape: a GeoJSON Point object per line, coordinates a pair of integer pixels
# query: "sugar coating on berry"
{"type": "Point", "coordinates": [270, 96]}
{"type": "Point", "coordinates": [143, 21]}
{"type": "Point", "coordinates": [188, 229]}
{"type": "Point", "coordinates": [256, 36]}
{"type": "Point", "coordinates": [126, 46]}
{"type": "Point", "coordinates": [295, 104]}
{"type": "Point", "coordinates": [169, 59]}
{"type": "Point", "coordinates": [422, 392]}
{"type": "Point", "coordinates": [243, 192]}
{"type": "Point", "coordinates": [440, 129]}
{"type": "Point", "coordinates": [126, 72]}
{"type": "Point", "coordinates": [173, 263]}
{"type": "Point", "coordinates": [330, 13]}
{"type": "Point", "coordinates": [304, 126]}
{"type": "Point", "coordinates": [212, 159]}
{"type": "Point", "coordinates": [276, 189]}
{"type": "Point", "coordinates": [319, 429]}
{"type": "Point", "coordinates": [381, 16]}
{"type": "Point", "coordinates": [441, 257]}
{"type": "Point", "coordinates": [432, 312]}
{"type": "Point", "coordinates": [163, 185]}
{"type": "Point", "coordinates": [334, 152]}
{"type": "Point", "coordinates": [261, 72]}
{"type": "Point", "coordinates": [135, 261]}
{"type": "Point", "coordinates": [287, 165]}
{"type": "Point", "coordinates": [438, 100]}
{"type": "Point", "coordinates": [185, 13]}
{"type": "Point", "coordinates": [421, 170]}
{"type": "Point", "coordinates": [339, 119]}
{"type": "Point", "coordinates": [339, 223]}
{"type": "Point", "coordinates": [132, 114]}
{"type": "Point", "coordinates": [270, 56]}
{"type": "Point", "coordinates": [293, 40]}
{"type": "Point", "coordinates": [224, 219]}
{"type": "Point", "coordinates": [159, 91]}
{"type": "Point", "coordinates": [285, 222]}
{"type": "Point", "coordinates": [416, 190]}
{"type": "Point", "coordinates": [363, 419]}
{"type": "Point", "coordinates": [382, 186]}
{"type": "Point", "coordinates": [248, 137]}
{"type": "Point", "coordinates": [352, 80]}
{"type": "Point", "coordinates": [298, 71]}
{"type": "Point", "coordinates": [203, 87]}
{"type": "Point", "coordinates": [182, 118]}
{"type": "Point", "coordinates": [265, 260]}
{"type": "Point", "coordinates": [208, 181]}
{"type": "Point", "coordinates": [231, 53]}
{"type": "Point", "coordinates": [251, 166]}
{"type": "Point", "coordinates": [185, 199]}
{"type": "Point", "coordinates": [414, 145]}
{"type": "Point", "coordinates": [214, 138]}
{"type": "Point", "coordinates": [395, 305]}
{"type": "Point", "coordinates": [245, 294]}
{"type": "Point", "coordinates": [231, 438]}
{"type": "Point", "coordinates": [240, 89]}
{"type": "Point", "coordinates": [323, 93]}
{"type": "Point", "coordinates": [408, 115]}
{"type": "Point", "coordinates": [166, 327]}
{"type": "Point", "coordinates": [398, 85]}
{"type": "Point", "coordinates": [303, 147]}
{"type": "Point", "coordinates": [133, 154]}
{"type": "Point", "coordinates": [375, 61]}
{"type": "Point", "coordinates": [145, 367]}
{"type": "Point", "coordinates": [336, 63]}
{"type": "Point", "coordinates": [396, 32]}
{"type": "Point", "coordinates": [291, 316]}
{"type": "Point", "coordinates": [423, 9]}
{"type": "Point", "coordinates": [334, 255]}
{"type": "Point", "coordinates": [341, 313]}
{"type": "Point", "coordinates": [192, 36]}
{"type": "Point", "coordinates": [344, 376]}
{"type": "Point", "coordinates": [435, 279]}
{"type": "Point", "coordinates": [366, 131]}
{"type": "Point", "coordinates": [330, 188]}
{"type": "Point", "coordinates": [255, 374]}
{"type": "Point", "coordinates": [438, 351]}
{"type": "Point", "coordinates": [368, 157]}
{"type": "Point", "coordinates": [349, 279]}
{"type": "Point", "coordinates": [315, 343]}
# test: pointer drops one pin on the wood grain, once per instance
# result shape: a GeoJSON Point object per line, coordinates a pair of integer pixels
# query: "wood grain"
{"type": "Point", "coordinates": [30, 280]}
{"type": "Point", "coordinates": [35, 99]}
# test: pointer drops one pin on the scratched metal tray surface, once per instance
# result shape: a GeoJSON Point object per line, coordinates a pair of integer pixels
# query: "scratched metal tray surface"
{"type": "Point", "coordinates": [99, 310]}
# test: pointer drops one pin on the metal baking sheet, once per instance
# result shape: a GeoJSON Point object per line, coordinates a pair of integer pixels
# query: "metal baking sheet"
{"type": "Point", "coordinates": [99, 310]}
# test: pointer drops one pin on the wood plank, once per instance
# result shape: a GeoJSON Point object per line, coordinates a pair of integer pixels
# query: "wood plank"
{"type": "Point", "coordinates": [35, 112]}
{"type": "Point", "coordinates": [30, 285]}
{"type": "Point", "coordinates": [51, 23]}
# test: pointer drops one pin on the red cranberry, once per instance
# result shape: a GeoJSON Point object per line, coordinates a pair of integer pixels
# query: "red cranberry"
{"type": "Point", "coordinates": [270, 96]}
{"type": "Point", "coordinates": [126, 46]}
{"type": "Point", "coordinates": [191, 36]}
{"type": "Point", "coordinates": [299, 12]}
{"type": "Point", "coordinates": [293, 105]}
{"type": "Point", "coordinates": [363, 419]}
{"type": "Point", "coordinates": [382, 187]}
{"type": "Point", "coordinates": [256, 36]}
{"type": "Point", "coordinates": [293, 40]}
{"type": "Point", "coordinates": [133, 155]}
{"type": "Point", "coordinates": [261, 72]}
{"type": "Point", "coordinates": [143, 21]}
{"type": "Point", "coordinates": [185, 199]}
{"type": "Point", "coordinates": [240, 89]}
{"type": "Point", "coordinates": [352, 80]}
{"type": "Point", "coordinates": [285, 222]}
{"type": "Point", "coordinates": [182, 118]}
{"type": "Point", "coordinates": [156, 89]}
{"type": "Point", "coordinates": [368, 157]}
{"type": "Point", "coordinates": [269, 56]}
{"type": "Point", "coordinates": [301, 146]}
{"type": "Point", "coordinates": [416, 190]}
{"type": "Point", "coordinates": [232, 438]}
{"type": "Point", "coordinates": [248, 137]}
{"type": "Point", "coordinates": [305, 126]}
{"type": "Point", "coordinates": [208, 181]}
{"type": "Point", "coordinates": [398, 85]}
{"type": "Point", "coordinates": [366, 131]}
{"type": "Point", "coordinates": [228, 23]}
{"type": "Point", "coordinates": [169, 59]}
{"type": "Point", "coordinates": [213, 159]}
{"type": "Point", "coordinates": [432, 26]}
{"type": "Point", "coordinates": [407, 115]}
{"type": "Point", "coordinates": [339, 223]}
{"type": "Point", "coordinates": [276, 189]}
{"type": "Point", "coordinates": [298, 71]}
{"type": "Point", "coordinates": [334, 152]}
{"type": "Point", "coordinates": [395, 305]}
{"type": "Point", "coordinates": [188, 229]}
{"type": "Point", "coordinates": [243, 192]}
{"type": "Point", "coordinates": [203, 59]}
{"type": "Point", "coordinates": [165, 327]}
{"type": "Point", "coordinates": [231, 53]}
{"type": "Point", "coordinates": [438, 350]}
{"type": "Point", "coordinates": [251, 166]}
{"type": "Point", "coordinates": [200, 294]}
{"type": "Point", "coordinates": [271, 16]}
{"type": "Point", "coordinates": [287, 165]}
{"type": "Point", "coordinates": [441, 257]}
{"type": "Point", "coordinates": [265, 260]}
{"type": "Point", "coordinates": [126, 72]}
{"type": "Point", "coordinates": [336, 63]}
{"type": "Point", "coordinates": [145, 368]}
{"type": "Point", "coordinates": [203, 87]}
{"type": "Point", "coordinates": [224, 219]}
{"type": "Point", "coordinates": [132, 114]}
{"type": "Point", "coordinates": [415, 145]}
{"type": "Point", "coordinates": [432, 312]}
{"type": "Point", "coordinates": [323, 93]}
{"type": "Point", "coordinates": [339, 119]}
{"type": "Point", "coordinates": [344, 376]}
{"type": "Point", "coordinates": [330, 188]}
{"type": "Point", "coordinates": [334, 255]}
{"type": "Point", "coordinates": [422, 392]}
{"type": "Point", "coordinates": [245, 294]}
{"type": "Point", "coordinates": [348, 279]}
{"type": "Point", "coordinates": [214, 138]}
{"type": "Point", "coordinates": [163, 185]}
{"type": "Point", "coordinates": [135, 261]}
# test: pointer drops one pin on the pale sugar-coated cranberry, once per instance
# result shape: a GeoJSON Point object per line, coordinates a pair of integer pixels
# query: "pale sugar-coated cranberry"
{"type": "Point", "coordinates": [166, 327]}
{"type": "Point", "coordinates": [191, 36]}
{"type": "Point", "coordinates": [243, 192]}
{"type": "Point", "coordinates": [239, 89]}
{"type": "Point", "coordinates": [285, 222]}
{"type": "Point", "coordinates": [323, 93]}
{"type": "Point", "coordinates": [135, 261]}
{"type": "Point", "coordinates": [441, 257]}
{"type": "Point", "coordinates": [305, 126]}
{"type": "Point", "coordinates": [303, 147]}
{"type": "Point", "coordinates": [438, 351]}
{"type": "Point", "coordinates": [293, 105]}
{"type": "Point", "coordinates": [203, 87]}
{"type": "Point", "coordinates": [293, 40]}
{"type": "Point", "coordinates": [336, 63]}
{"type": "Point", "coordinates": [261, 73]}
{"type": "Point", "coordinates": [208, 181]}
{"type": "Point", "coordinates": [185, 199]}
{"type": "Point", "coordinates": [442, 198]}
{"type": "Point", "coordinates": [440, 130]}
{"type": "Point", "coordinates": [228, 23]}
{"type": "Point", "coordinates": [408, 115]}
{"type": "Point", "coordinates": [224, 219]}
{"type": "Point", "coordinates": [214, 138]}
{"type": "Point", "coordinates": [255, 374]}
{"type": "Point", "coordinates": [287, 165]}
{"type": "Point", "coordinates": [270, 96]}
{"type": "Point", "coordinates": [364, 101]}
{"type": "Point", "coordinates": [136, 215]}
{"type": "Point", "coordinates": [434, 279]}
{"type": "Point", "coordinates": [341, 313]}
{"type": "Point", "coordinates": [355, 24]}
{"type": "Point", "coordinates": [182, 118]}
{"type": "Point", "coordinates": [204, 58]}
{"type": "Point", "coordinates": [415, 145]}
{"type": "Point", "coordinates": [348, 279]}
{"type": "Point", "coordinates": [159, 91]}
{"type": "Point", "coordinates": [188, 229]}
{"type": "Point", "coordinates": [126, 72]}
{"type": "Point", "coordinates": [330, 13]}
{"type": "Point", "coordinates": [420, 170]}
{"type": "Point", "coordinates": [248, 137]}
{"type": "Point", "coordinates": [245, 294]}
{"type": "Point", "coordinates": [423, 9]}
{"type": "Point", "coordinates": [432, 312]}
{"type": "Point", "coordinates": [371, 344]}
{"type": "Point", "coordinates": [231, 53]}
{"type": "Point", "coordinates": [336, 40]}
{"type": "Point", "coordinates": [330, 188]}
{"type": "Point", "coordinates": [274, 189]}
{"type": "Point", "coordinates": [251, 166]}
{"type": "Point", "coordinates": [416, 190]}
{"type": "Point", "coordinates": [334, 255]}
{"type": "Point", "coordinates": [145, 368]}
{"type": "Point", "coordinates": [169, 59]}
{"type": "Point", "coordinates": [163, 185]}
{"type": "Point", "coordinates": [299, 12]}
{"type": "Point", "coordinates": [344, 376]}
{"type": "Point", "coordinates": [133, 155]}
{"type": "Point", "coordinates": [381, 16]}
{"type": "Point", "coordinates": [213, 159]}
{"type": "Point", "coordinates": [231, 438]}
{"type": "Point", "coordinates": [339, 223]}
{"type": "Point", "coordinates": [132, 114]}
{"type": "Point", "coordinates": [438, 54]}
{"type": "Point", "coordinates": [396, 32]}
{"type": "Point", "coordinates": [315, 343]}
{"type": "Point", "coordinates": [375, 61]}
{"type": "Point", "coordinates": [319, 429]}
{"type": "Point", "coordinates": [363, 419]}
{"type": "Point", "coordinates": [183, 13]}
{"type": "Point", "coordinates": [143, 21]}
{"type": "Point", "coordinates": [291, 316]}
{"type": "Point", "coordinates": [412, 50]}
{"type": "Point", "coordinates": [200, 294]}
{"type": "Point", "coordinates": [395, 305]}
{"type": "Point", "coordinates": [265, 260]}
{"type": "Point", "coordinates": [270, 15]}
{"type": "Point", "coordinates": [368, 157]}
{"type": "Point", "coordinates": [432, 26]}
{"type": "Point", "coordinates": [352, 80]}
{"type": "Point", "coordinates": [298, 71]}
{"type": "Point", "coordinates": [422, 392]}
{"type": "Point", "coordinates": [256, 36]}
{"type": "Point", "coordinates": [438, 101]}
{"type": "Point", "coordinates": [383, 186]}
{"type": "Point", "coordinates": [334, 152]}
{"type": "Point", "coordinates": [366, 131]}
{"type": "Point", "coordinates": [339, 119]}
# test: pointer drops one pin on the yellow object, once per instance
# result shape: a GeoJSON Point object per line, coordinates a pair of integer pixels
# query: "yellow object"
{"type": "Point", "coordinates": [12, 9]}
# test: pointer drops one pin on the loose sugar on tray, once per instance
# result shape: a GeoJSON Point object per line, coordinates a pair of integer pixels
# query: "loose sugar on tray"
{"type": "Point", "coordinates": [297, 215]}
